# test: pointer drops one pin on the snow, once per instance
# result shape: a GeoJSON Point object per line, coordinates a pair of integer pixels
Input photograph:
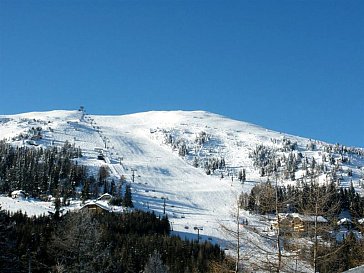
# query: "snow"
{"type": "Point", "coordinates": [358, 269]}
{"type": "Point", "coordinates": [26, 205]}
{"type": "Point", "coordinates": [344, 220]}
{"type": "Point", "coordinates": [136, 143]}
{"type": "Point", "coordinates": [18, 194]}
{"type": "Point", "coordinates": [306, 218]}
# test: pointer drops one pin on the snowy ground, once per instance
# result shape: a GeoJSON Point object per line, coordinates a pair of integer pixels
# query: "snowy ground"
{"type": "Point", "coordinates": [135, 143]}
{"type": "Point", "coordinates": [29, 206]}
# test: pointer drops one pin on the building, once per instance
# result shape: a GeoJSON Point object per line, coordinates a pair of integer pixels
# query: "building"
{"type": "Point", "coordinates": [105, 197]}
{"type": "Point", "coordinates": [346, 223]}
{"type": "Point", "coordinates": [298, 223]}
{"type": "Point", "coordinates": [18, 194]}
{"type": "Point", "coordinates": [95, 207]}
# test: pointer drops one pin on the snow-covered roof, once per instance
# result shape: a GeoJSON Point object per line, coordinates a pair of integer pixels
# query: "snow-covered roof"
{"type": "Point", "coordinates": [98, 204]}
{"type": "Point", "coordinates": [306, 218]}
{"type": "Point", "coordinates": [18, 193]}
{"type": "Point", "coordinates": [105, 196]}
{"type": "Point", "coordinates": [361, 221]}
{"type": "Point", "coordinates": [344, 220]}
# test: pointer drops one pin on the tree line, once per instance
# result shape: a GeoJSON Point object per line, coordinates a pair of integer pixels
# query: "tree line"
{"type": "Point", "coordinates": [300, 198]}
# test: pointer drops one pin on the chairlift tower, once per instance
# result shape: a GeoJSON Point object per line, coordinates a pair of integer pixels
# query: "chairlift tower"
{"type": "Point", "coordinates": [164, 204]}
{"type": "Point", "coordinates": [133, 174]}
{"type": "Point", "coordinates": [198, 228]}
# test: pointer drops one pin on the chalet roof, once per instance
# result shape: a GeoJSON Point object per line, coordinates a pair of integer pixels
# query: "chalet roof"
{"type": "Point", "coordinates": [105, 196]}
{"type": "Point", "coordinates": [18, 193]}
{"type": "Point", "coordinates": [98, 204]}
{"type": "Point", "coordinates": [306, 218]}
{"type": "Point", "coordinates": [343, 221]}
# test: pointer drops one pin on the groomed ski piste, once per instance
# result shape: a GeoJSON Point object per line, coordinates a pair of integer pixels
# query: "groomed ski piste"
{"type": "Point", "coordinates": [136, 146]}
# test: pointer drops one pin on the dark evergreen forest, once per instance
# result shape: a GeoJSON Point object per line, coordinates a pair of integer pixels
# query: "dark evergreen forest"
{"type": "Point", "coordinates": [86, 242]}
{"type": "Point", "coordinates": [40, 171]}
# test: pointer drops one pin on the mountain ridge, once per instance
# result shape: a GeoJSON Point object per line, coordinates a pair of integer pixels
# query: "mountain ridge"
{"type": "Point", "coordinates": [187, 163]}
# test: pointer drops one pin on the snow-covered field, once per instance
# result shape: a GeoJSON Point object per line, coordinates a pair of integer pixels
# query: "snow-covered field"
{"type": "Point", "coordinates": [137, 144]}
{"type": "Point", "coordinates": [30, 206]}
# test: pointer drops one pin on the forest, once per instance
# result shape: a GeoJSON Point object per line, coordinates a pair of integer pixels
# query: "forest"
{"type": "Point", "coordinates": [81, 241]}
{"type": "Point", "coordinates": [40, 171]}
{"type": "Point", "coordinates": [320, 244]}
{"type": "Point", "coordinates": [52, 171]}
{"type": "Point", "coordinates": [89, 242]}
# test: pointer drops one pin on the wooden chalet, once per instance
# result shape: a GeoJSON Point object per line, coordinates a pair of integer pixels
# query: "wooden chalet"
{"type": "Point", "coordinates": [298, 223]}
{"type": "Point", "coordinates": [95, 207]}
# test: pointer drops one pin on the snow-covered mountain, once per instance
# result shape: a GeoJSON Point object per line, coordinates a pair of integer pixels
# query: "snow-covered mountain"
{"type": "Point", "coordinates": [168, 154]}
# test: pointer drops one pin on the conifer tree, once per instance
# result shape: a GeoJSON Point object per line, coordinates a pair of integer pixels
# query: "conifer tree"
{"type": "Point", "coordinates": [57, 207]}
{"type": "Point", "coordinates": [127, 197]}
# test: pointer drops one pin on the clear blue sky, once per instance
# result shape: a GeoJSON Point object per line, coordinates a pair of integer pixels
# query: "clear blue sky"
{"type": "Point", "coordinates": [291, 66]}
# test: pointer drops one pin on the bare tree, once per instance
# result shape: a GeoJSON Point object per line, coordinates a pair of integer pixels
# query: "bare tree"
{"type": "Point", "coordinates": [269, 244]}
{"type": "Point", "coordinates": [319, 205]}
{"type": "Point", "coordinates": [233, 232]}
{"type": "Point", "coordinates": [77, 242]}
{"type": "Point", "coordinates": [155, 264]}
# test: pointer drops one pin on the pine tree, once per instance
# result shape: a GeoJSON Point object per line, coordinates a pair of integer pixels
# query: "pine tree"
{"type": "Point", "coordinates": [243, 176]}
{"type": "Point", "coordinates": [57, 207]}
{"type": "Point", "coordinates": [195, 162]}
{"type": "Point", "coordinates": [240, 176]}
{"type": "Point", "coordinates": [85, 194]}
{"type": "Point", "coordinates": [127, 197]}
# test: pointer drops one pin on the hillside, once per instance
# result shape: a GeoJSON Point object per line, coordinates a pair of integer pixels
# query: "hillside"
{"type": "Point", "coordinates": [189, 160]}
